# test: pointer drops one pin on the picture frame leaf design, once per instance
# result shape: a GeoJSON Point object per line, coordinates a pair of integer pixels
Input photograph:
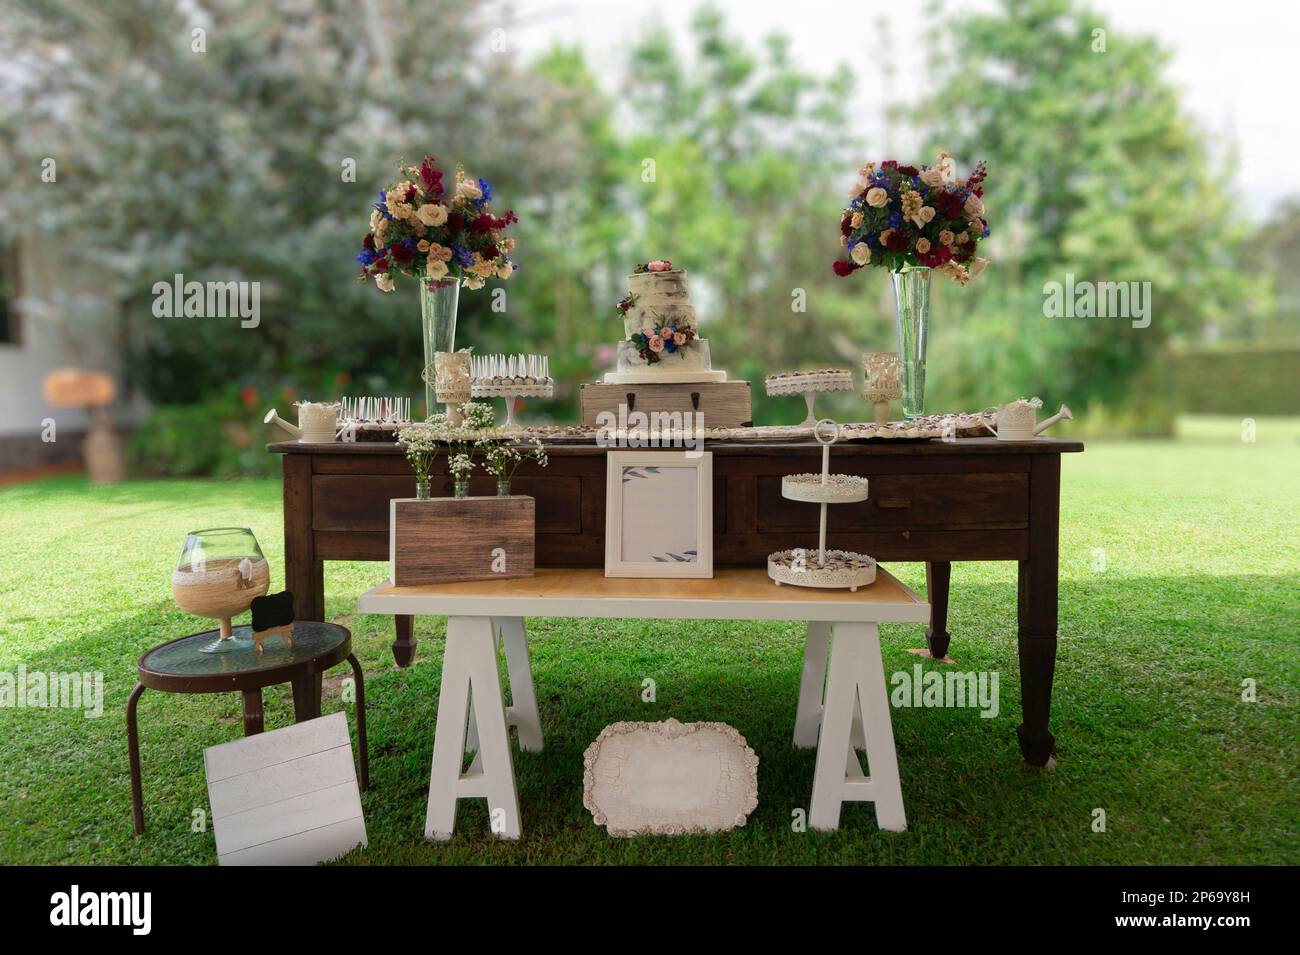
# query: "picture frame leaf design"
{"type": "Point", "coordinates": [659, 514]}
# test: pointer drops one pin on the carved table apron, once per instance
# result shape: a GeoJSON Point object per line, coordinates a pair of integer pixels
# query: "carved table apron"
{"type": "Point", "coordinates": [931, 501]}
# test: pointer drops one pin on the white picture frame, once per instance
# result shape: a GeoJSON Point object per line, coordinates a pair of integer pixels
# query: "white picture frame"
{"type": "Point", "coordinates": [659, 514]}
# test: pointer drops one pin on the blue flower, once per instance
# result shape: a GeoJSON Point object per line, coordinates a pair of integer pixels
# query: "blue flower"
{"type": "Point", "coordinates": [366, 256]}
{"type": "Point", "coordinates": [873, 242]}
{"type": "Point", "coordinates": [895, 220]}
{"type": "Point", "coordinates": [485, 189]}
{"type": "Point", "coordinates": [985, 233]}
{"type": "Point", "coordinates": [462, 256]}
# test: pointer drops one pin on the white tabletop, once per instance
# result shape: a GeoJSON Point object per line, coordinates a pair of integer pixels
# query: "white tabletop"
{"type": "Point", "coordinates": [733, 593]}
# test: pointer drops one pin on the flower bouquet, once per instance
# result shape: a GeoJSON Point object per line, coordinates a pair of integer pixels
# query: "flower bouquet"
{"type": "Point", "coordinates": [444, 239]}
{"type": "Point", "coordinates": [914, 221]}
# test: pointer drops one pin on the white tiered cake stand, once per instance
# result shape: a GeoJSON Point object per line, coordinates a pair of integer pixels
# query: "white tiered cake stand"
{"type": "Point", "coordinates": [804, 567]}
{"type": "Point", "coordinates": [810, 386]}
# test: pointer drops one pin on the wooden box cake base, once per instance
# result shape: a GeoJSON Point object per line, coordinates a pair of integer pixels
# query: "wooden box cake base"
{"type": "Point", "coordinates": [447, 539]}
{"type": "Point", "coordinates": [723, 404]}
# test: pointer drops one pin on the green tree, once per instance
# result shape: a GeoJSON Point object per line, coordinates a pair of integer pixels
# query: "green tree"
{"type": "Point", "coordinates": [222, 155]}
{"type": "Point", "coordinates": [1095, 171]}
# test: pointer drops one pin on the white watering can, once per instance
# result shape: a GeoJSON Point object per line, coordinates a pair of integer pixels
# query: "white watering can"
{"type": "Point", "coordinates": [319, 422]}
{"type": "Point", "coordinates": [1017, 420]}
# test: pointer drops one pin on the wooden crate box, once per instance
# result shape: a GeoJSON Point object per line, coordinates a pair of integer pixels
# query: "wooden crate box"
{"type": "Point", "coordinates": [446, 539]}
{"type": "Point", "coordinates": [723, 404]}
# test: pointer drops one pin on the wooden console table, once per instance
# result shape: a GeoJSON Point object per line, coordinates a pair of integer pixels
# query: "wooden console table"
{"type": "Point", "coordinates": [931, 501]}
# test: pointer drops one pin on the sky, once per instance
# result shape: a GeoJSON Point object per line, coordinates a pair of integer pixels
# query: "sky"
{"type": "Point", "coordinates": [1238, 75]}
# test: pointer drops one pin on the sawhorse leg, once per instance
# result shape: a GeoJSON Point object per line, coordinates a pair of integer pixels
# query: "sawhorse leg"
{"type": "Point", "coordinates": [856, 681]}
{"type": "Point", "coordinates": [470, 679]}
{"type": "Point", "coordinates": [522, 712]}
{"type": "Point", "coordinates": [812, 690]}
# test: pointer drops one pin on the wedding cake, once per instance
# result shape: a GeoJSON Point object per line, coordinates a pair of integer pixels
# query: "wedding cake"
{"type": "Point", "coordinates": [662, 343]}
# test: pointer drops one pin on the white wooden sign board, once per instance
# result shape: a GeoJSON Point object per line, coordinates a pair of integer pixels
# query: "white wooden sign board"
{"type": "Point", "coordinates": [286, 797]}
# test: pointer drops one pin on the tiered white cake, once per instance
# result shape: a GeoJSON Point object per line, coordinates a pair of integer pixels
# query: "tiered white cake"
{"type": "Point", "coordinates": [661, 344]}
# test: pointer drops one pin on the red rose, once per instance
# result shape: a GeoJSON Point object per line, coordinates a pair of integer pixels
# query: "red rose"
{"type": "Point", "coordinates": [889, 164]}
{"type": "Point", "coordinates": [947, 204]}
{"type": "Point", "coordinates": [843, 267]}
{"type": "Point", "coordinates": [483, 224]}
{"type": "Point", "coordinates": [909, 170]}
{"type": "Point", "coordinates": [410, 193]}
{"type": "Point", "coordinates": [846, 225]}
{"type": "Point", "coordinates": [455, 222]}
{"type": "Point", "coordinates": [490, 253]}
{"type": "Point", "coordinates": [897, 241]}
{"type": "Point", "coordinates": [369, 241]}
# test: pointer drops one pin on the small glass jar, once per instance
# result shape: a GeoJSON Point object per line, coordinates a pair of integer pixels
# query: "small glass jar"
{"type": "Point", "coordinates": [422, 492]}
{"type": "Point", "coordinates": [462, 487]}
{"type": "Point", "coordinates": [503, 487]}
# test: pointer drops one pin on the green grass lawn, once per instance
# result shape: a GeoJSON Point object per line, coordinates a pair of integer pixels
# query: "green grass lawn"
{"type": "Point", "coordinates": [1179, 577]}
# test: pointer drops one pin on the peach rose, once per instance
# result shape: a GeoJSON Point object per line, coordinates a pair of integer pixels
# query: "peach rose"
{"type": "Point", "coordinates": [384, 281]}
{"type": "Point", "coordinates": [923, 245]}
{"type": "Point", "coordinates": [656, 343]}
{"type": "Point", "coordinates": [974, 207]}
{"type": "Point", "coordinates": [861, 254]}
{"type": "Point", "coordinates": [432, 213]}
{"type": "Point", "coordinates": [435, 268]}
{"type": "Point", "coordinates": [877, 197]}
{"type": "Point", "coordinates": [946, 237]}
{"type": "Point", "coordinates": [855, 220]}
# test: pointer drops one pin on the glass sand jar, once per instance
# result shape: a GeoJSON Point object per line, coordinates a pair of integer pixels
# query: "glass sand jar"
{"type": "Point", "coordinates": [220, 571]}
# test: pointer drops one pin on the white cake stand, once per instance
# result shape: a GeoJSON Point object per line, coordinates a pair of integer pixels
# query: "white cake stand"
{"type": "Point", "coordinates": [510, 390]}
{"type": "Point", "coordinates": [806, 567]}
{"type": "Point", "coordinates": [809, 386]}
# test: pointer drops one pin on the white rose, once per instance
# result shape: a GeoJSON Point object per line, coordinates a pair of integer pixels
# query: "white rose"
{"type": "Point", "coordinates": [474, 281]}
{"type": "Point", "coordinates": [469, 189]}
{"type": "Point", "coordinates": [436, 268]}
{"type": "Point", "coordinates": [932, 176]}
{"type": "Point", "coordinates": [505, 270]}
{"type": "Point", "coordinates": [384, 281]}
{"type": "Point", "coordinates": [861, 254]}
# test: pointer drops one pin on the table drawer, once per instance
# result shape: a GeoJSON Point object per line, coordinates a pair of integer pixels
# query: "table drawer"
{"type": "Point", "coordinates": [907, 500]}
{"type": "Point", "coordinates": [359, 502]}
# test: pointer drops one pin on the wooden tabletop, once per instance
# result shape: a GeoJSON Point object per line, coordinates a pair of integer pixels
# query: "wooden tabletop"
{"type": "Point", "coordinates": [733, 593]}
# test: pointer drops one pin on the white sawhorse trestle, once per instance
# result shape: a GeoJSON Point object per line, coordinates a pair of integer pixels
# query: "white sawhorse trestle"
{"type": "Point", "coordinates": [852, 714]}
{"type": "Point", "coordinates": [472, 717]}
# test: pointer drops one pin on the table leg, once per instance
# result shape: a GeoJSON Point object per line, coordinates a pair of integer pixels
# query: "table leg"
{"type": "Point", "coordinates": [304, 573]}
{"type": "Point", "coordinates": [306, 697]}
{"type": "Point", "coordinates": [812, 684]}
{"type": "Point", "coordinates": [470, 678]}
{"type": "Point", "coordinates": [133, 752]}
{"type": "Point", "coordinates": [252, 712]}
{"type": "Point", "coordinates": [856, 680]}
{"type": "Point", "coordinates": [404, 644]}
{"type": "Point", "coordinates": [1036, 605]}
{"type": "Point", "coordinates": [522, 712]}
{"type": "Point", "coordinates": [937, 574]}
{"type": "Point", "coordinates": [361, 721]}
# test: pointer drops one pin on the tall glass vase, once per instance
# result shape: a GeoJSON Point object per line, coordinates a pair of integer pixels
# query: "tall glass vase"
{"type": "Point", "coordinates": [439, 299]}
{"type": "Point", "coordinates": [912, 308]}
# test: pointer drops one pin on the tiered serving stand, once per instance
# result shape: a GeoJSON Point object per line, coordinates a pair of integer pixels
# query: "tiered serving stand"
{"type": "Point", "coordinates": [810, 385]}
{"type": "Point", "coordinates": [511, 377]}
{"type": "Point", "coordinates": [804, 567]}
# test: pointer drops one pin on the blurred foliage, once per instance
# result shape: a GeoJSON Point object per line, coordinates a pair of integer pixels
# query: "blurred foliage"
{"type": "Point", "coordinates": [1095, 171]}
{"type": "Point", "coordinates": [223, 436]}
{"type": "Point", "coordinates": [729, 158]}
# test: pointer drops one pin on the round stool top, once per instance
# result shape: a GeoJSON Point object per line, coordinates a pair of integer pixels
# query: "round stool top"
{"type": "Point", "coordinates": [181, 667]}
